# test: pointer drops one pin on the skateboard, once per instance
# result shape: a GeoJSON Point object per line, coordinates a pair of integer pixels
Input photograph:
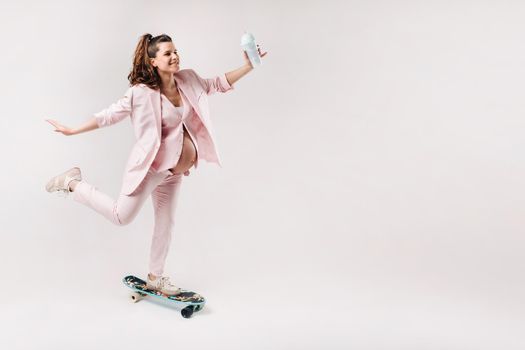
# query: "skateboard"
{"type": "Point", "coordinates": [190, 302]}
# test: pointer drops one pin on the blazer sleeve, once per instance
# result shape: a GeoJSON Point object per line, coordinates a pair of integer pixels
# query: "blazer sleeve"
{"type": "Point", "coordinates": [117, 112]}
{"type": "Point", "coordinates": [213, 85]}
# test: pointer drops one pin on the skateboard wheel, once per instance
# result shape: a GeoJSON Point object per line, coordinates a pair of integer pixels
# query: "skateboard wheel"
{"type": "Point", "coordinates": [187, 312]}
{"type": "Point", "coordinates": [135, 297]}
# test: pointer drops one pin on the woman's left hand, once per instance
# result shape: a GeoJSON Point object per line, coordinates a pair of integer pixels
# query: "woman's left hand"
{"type": "Point", "coordinates": [247, 60]}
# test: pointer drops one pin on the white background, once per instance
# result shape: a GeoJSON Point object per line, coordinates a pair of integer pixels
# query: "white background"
{"type": "Point", "coordinates": [371, 194]}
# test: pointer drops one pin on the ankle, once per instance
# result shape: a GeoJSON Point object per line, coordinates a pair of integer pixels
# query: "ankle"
{"type": "Point", "coordinates": [152, 277]}
{"type": "Point", "coordinates": [72, 185]}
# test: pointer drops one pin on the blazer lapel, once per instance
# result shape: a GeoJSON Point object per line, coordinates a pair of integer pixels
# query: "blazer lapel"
{"type": "Point", "coordinates": [189, 93]}
{"type": "Point", "coordinates": [190, 96]}
{"type": "Point", "coordinates": [157, 109]}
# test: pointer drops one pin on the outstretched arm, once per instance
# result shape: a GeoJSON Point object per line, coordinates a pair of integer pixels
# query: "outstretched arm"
{"type": "Point", "coordinates": [89, 125]}
{"type": "Point", "coordinates": [237, 74]}
{"type": "Point", "coordinates": [115, 113]}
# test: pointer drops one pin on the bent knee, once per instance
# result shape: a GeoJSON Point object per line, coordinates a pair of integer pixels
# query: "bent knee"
{"type": "Point", "coordinates": [123, 219]}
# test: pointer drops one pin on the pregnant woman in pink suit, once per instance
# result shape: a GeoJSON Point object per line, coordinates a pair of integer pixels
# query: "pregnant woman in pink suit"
{"type": "Point", "coordinates": [168, 108]}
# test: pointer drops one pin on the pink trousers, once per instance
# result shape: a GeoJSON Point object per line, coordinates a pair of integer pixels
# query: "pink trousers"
{"type": "Point", "coordinates": [164, 189]}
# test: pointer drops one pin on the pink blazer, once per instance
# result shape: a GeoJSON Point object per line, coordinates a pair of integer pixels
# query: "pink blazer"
{"type": "Point", "coordinates": [142, 105]}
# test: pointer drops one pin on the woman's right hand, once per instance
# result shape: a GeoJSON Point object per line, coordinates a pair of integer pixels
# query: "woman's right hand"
{"type": "Point", "coordinates": [60, 128]}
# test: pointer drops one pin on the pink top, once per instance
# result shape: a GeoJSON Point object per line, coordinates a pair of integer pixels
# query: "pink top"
{"type": "Point", "coordinates": [173, 120]}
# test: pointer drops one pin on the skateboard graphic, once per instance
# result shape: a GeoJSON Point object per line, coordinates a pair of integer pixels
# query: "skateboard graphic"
{"type": "Point", "coordinates": [190, 302]}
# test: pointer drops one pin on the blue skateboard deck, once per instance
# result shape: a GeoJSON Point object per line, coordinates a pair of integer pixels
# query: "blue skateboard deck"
{"type": "Point", "coordinates": [189, 301]}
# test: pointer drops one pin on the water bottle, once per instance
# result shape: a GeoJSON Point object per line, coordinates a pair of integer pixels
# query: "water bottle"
{"type": "Point", "coordinates": [248, 44]}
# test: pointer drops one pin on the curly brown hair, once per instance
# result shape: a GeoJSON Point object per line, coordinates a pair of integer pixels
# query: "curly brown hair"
{"type": "Point", "coordinates": [142, 70]}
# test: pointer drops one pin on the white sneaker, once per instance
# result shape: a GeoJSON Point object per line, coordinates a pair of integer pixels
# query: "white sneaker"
{"type": "Point", "coordinates": [61, 182]}
{"type": "Point", "coordinates": [163, 285]}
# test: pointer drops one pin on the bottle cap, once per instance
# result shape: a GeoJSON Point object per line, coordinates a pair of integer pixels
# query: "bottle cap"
{"type": "Point", "coordinates": [247, 38]}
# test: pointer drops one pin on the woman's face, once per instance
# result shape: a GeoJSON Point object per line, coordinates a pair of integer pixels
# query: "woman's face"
{"type": "Point", "coordinates": [167, 58]}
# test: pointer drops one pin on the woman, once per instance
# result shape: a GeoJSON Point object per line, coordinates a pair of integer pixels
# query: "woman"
{"type": "Point", "coordinates": [168, 108]}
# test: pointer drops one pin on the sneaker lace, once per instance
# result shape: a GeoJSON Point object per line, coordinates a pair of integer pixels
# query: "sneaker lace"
{"type": "Point", "coordinates": [165, 282]}
{"type": "Point", "coordinates": [66, 191]}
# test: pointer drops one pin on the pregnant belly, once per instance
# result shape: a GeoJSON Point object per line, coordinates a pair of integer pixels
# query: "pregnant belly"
{"type": "Point", "coordinates": [188, 155]}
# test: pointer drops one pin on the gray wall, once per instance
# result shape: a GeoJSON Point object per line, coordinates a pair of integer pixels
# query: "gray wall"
{"type": "Point", "coordinates": [371, 194]}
